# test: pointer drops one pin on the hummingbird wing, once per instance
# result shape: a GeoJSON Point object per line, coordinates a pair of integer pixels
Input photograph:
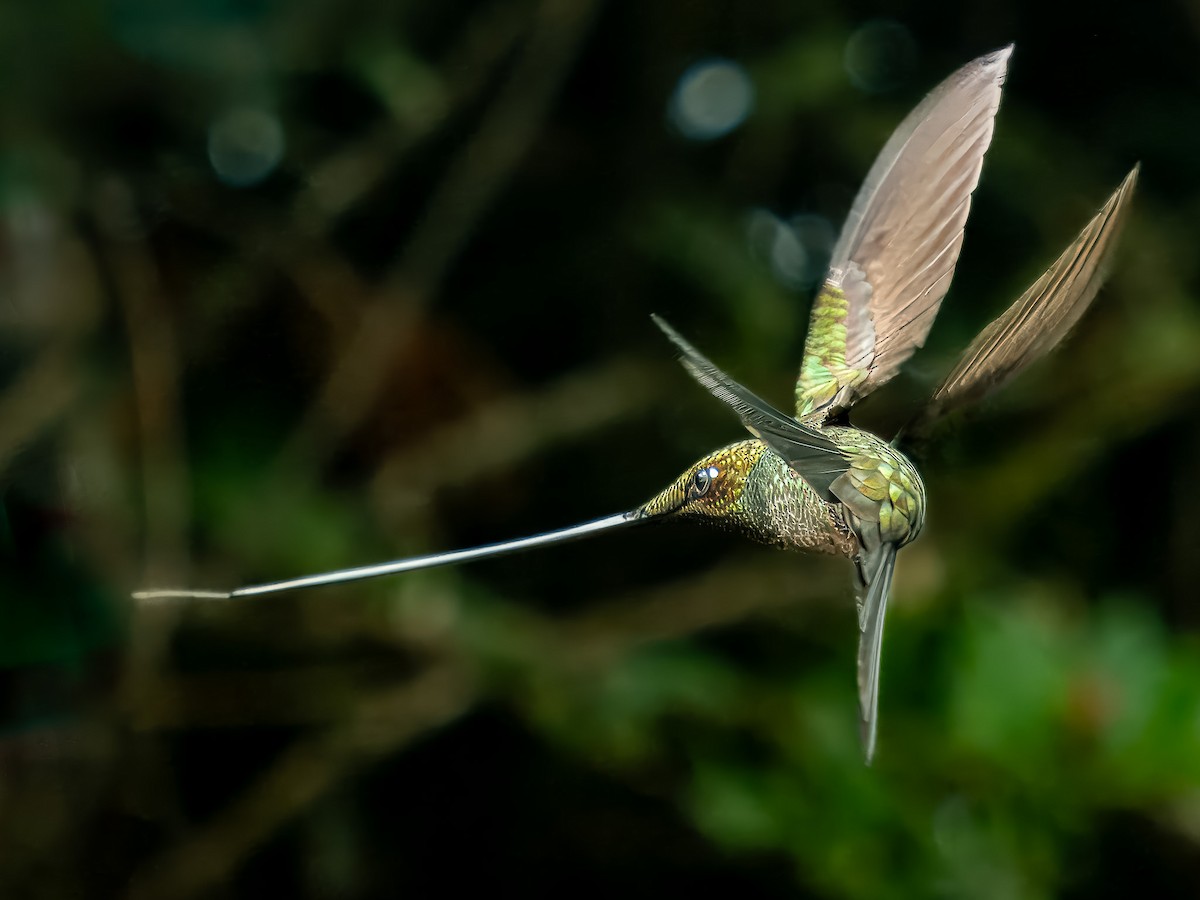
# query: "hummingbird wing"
{"type": "Point", "coordinates": [895, 257]}
{"type": "Point", "coordinates": [1040, 318]}
{"type": "Point", "coordinates": [808, 450]}
{"type": "Point", "coordinates": [874, 575]}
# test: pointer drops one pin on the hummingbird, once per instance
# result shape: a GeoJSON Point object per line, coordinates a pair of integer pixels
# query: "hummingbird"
{"type": "Point", "coordinates": [812, 481]}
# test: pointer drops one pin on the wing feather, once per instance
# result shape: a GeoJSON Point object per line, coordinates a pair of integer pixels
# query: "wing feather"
{"type": "Point", "coordinates": [809, 451]}
{"type": "Point", "coordinates": [898, 249]}
{"type": "Point", "coordinates": [1042, 316]}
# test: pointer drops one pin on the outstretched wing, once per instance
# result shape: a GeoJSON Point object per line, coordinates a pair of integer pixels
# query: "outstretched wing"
{"type": "Point", "coordinates": [809, 451]}
{"type": "Point", "coordinates": [893, 263]}
{"type": "Point", "coordinates": [1041, 317]}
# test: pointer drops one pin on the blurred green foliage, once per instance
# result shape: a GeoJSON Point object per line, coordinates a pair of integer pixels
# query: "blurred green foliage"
{"type": "Point", "coordinates": [292, 287]}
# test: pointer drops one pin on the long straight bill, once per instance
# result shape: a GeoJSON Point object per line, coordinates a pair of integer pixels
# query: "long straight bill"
{"type": "Point", "coordinates": [408, 565]}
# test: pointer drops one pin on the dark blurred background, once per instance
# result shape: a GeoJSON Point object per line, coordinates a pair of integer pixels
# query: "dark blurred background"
{"type": "Point", "coordinates": [287, 287]}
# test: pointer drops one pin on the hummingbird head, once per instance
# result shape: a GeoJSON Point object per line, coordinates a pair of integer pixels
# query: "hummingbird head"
{"type": "Point", "coordinates": [712, 488]}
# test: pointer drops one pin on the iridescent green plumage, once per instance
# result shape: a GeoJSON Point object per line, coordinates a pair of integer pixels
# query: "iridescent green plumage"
{"type": "Point", "coordinates": [824, 371]}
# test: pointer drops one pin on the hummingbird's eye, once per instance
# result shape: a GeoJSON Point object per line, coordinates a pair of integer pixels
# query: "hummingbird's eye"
{"type": "Point", "coordinates": [702, 480]}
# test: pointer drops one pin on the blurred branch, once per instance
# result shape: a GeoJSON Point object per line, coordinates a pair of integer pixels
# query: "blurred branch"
{"type": "Point", "coordinates": [336, 184]}
{"type": "Point", "coordinates": [296, 242]}
{"type": "Point", "coordinates": [303, 695]}
{"type": "Point", "coordinates": [343, 179]}
{"type": "Point", "coordinates": [154, 357]}
{"type": "Point", "coordinates": [511, 430]}
{"type": "Point", "coordinates": [391, 719]}
{"type": "Point", "coordinates": [379, 725]}
{"type": "Point", "coordinates": [37, 398]}
{"type": "Point", "coordinates": [763, 582]}
{"type": "Point", "coordinates": [472, 181]}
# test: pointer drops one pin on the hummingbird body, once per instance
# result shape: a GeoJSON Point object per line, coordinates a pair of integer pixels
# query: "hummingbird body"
{"type": "Point", "coordinates": [804, 482]}
{"type": "Point", "coordinates": [749, 488]}
{"type": "Point", "coordinates": [880, 488]}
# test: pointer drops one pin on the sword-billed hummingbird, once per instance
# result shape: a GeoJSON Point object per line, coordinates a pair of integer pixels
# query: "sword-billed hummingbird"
{"type": "Point", "coordinates": [813, 481]}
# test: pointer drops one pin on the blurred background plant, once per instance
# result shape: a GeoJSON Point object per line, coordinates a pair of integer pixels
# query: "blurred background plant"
{"type": "Point", "coordinates": [290, 287]}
